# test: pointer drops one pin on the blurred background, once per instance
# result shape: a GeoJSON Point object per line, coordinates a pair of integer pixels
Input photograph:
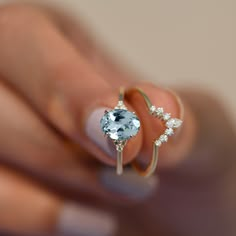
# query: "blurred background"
{"type": "Point", "coordinates": [185, 43]}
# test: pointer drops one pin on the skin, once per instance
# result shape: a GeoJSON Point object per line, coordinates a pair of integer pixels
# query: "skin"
{"type": "Point", "coordinates": [45, 99]}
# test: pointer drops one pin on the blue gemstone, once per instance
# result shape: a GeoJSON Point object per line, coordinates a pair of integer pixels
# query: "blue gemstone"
{"type": "Point", "coordinates": [120, 124]}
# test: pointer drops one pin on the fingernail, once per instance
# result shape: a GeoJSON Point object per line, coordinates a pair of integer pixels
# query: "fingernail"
{"type": "Point", "coordinates": [77, 220]}
{"type": "Point", "coordinates": [95, 133]}
{"type": "Point", "coordinates": [129, 184]}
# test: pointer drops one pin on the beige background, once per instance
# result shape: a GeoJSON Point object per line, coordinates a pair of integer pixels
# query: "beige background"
{"type": "Point", "coordinates": [182, 42]}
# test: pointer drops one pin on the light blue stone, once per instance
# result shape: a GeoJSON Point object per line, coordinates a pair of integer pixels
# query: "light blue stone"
{"type": "Point", "coordinates": [120, 124]}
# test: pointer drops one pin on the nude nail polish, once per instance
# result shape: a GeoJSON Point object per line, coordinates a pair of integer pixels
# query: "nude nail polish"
{"type": "Point", "coordinates": [129, 184]}
{"type": "Point", "coordinates": [94, 132]}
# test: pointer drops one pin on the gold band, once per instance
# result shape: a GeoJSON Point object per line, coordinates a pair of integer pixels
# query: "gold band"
{"type": "Point", "coordinates": [119, 148]}
{"type": "Point", "coordinates": [120, 145]}
{"type": "Point", "coordinates": [152, 165]}
{"type": "Point", "coordinates": [119, 166]}
{"type": "Point", "coordinates": [154, 159]}
{"type": "Point", "coordinates": [170, 124]}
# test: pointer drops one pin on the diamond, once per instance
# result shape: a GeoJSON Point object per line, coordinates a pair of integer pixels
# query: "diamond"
{"type": "Point", "coordinates": [166, 116]}
{"type": "Point", "coordinates": [163, 138]}
{"type": "Point", "coordinates": [169, 131]}
{"type": "Point", "coordinates": [121, 105]}
{"type": "Point", "coordinates": [174, 123]}
{"type": "Point", "coordinates": [152, 109]}
{"type": "Point", "coordinates": [159, 111]}
{"type": "Point", "coordinates": [158, 143]}
{"type": "Point", "coordinates": [120, 124]}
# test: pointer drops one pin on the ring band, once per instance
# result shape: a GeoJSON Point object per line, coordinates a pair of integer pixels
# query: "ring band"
{"type": "Point", "coordinates": [120, 145]}
{"type": "Point", "coordinates": [120, 125]}
{"type": "Point", "coordinates": [170, 123]}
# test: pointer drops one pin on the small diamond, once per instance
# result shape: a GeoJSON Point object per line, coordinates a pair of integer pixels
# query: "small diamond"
{"type": "Point", "coordinates": [120, 124]}
{"type": "Point", "coordinates": [158, 143]}
{"type": "Point", "coordinates": [163, 138]}
{"type": "Point", "coordinates": [166, 116]}
{"type": "Point", "coordinates": [152, 109]}
{"type": "Point", "coordinates": [121, 105]}
{"type": "Point", "coordinates": [174, 123]}
{"type": "Point", "coordinates": [169, 131]}
{"type": "Point", "coordinates": [159, 111]}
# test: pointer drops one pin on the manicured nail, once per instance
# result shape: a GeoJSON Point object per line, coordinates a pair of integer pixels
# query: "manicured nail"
{"type": "Point", "coordinates": [129, 184]}
{"type": "Point", "coordinates": [95, 133]}
{"type": "Point", "coordinates": [77, 220]}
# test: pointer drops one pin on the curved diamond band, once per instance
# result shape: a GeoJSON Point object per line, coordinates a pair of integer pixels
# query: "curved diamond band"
{"type": "Point", "coordinates": [170, 123]}
{"type": "Point", "coordinates": [120, 125]}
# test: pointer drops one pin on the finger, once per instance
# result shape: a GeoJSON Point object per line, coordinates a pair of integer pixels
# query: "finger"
{"type": "Point", "coordinates": [26, 142]}
{"type": "Point", "coordinates": [29, 145]}
{"type": "Point", "coordinates": [60, 83]}
{"type": "Point", "coordinates": [28, 208]}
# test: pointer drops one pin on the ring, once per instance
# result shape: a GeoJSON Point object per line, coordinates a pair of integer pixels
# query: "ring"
{"type": "Point", "coordinates": [120, 125]}
{"type": "Point", "coordinates": [170, 123]}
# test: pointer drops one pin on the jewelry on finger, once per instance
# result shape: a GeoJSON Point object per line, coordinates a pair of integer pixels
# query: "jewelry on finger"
{"type": "Point", "coordinates": [170, 125]}
{"type": "Point", "coordinates": [120, 125]}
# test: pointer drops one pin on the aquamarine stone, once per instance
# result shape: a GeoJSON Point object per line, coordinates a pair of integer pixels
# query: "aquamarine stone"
{"type": "Point", "coordinates": [120, 124]}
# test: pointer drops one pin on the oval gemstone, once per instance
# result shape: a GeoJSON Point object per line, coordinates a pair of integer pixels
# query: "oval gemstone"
{"type": "Point", "coordinates": [120, 124]}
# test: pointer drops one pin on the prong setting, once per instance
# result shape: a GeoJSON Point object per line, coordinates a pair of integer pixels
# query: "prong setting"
{"type": "Point", "coordinates": [170, 123]}
{"type": "Point", "coordinates": [120, 125]}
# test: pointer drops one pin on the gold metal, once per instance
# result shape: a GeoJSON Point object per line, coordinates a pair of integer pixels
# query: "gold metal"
{"type": "Point", "coordinates": [152, 165]}
{"type": "Point", "coordinates": [119, 167]}
{"type": "Point", "coordinates": [146, 98]}
{"type": "Point", "coordinates": [154, 159]}
{"type": "Point", "coordinates": [121, 94]}
{"type": "Point", "coordinates": [120, 144]}
{"type": "Point", "coordinates": [119, 148]}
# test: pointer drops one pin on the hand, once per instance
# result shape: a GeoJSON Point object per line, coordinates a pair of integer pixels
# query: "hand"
{"type": "Point", "coordinates": [55, 85]}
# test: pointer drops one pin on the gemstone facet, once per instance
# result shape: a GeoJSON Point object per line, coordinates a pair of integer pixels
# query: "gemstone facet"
{"type": "Point", "coordinates": [169, 131]}
{"type": "Point", "coordinates": [120, 124]}
{"type": "Point", "coordinates": [163, 138]}
{"type": "Point", "coordinates": [152, 109]}
{"type": "Point", "coordinates": [158, 143]}
{"type": "Point", "coordinates": [166, 116]}
{"type": "Point", "coordinates": [174, 123]}
{"type": "Point", "coordinates": [159, 111]}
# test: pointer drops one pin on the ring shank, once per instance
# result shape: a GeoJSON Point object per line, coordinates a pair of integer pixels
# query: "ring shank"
{"type": "Point", "coordinates": [150, 169]}
{"type": "Point", "coordinates": [120, 145]}
{"type": "Point", "coordinates": [152, 165]}
{"type": "Point", "coordinates": [119, 166]}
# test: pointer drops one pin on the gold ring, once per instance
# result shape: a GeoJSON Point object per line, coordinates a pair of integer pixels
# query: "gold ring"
{"type": "Point", "coordinates": [120, 125]}
{"type": "Point", "coordinates": [170, 123]}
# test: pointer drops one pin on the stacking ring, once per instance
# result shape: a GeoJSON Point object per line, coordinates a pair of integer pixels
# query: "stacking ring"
{"type": "Point", "coordinates": [170, 123]}
{"type": "Point", "coordinates": [120, 125]}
